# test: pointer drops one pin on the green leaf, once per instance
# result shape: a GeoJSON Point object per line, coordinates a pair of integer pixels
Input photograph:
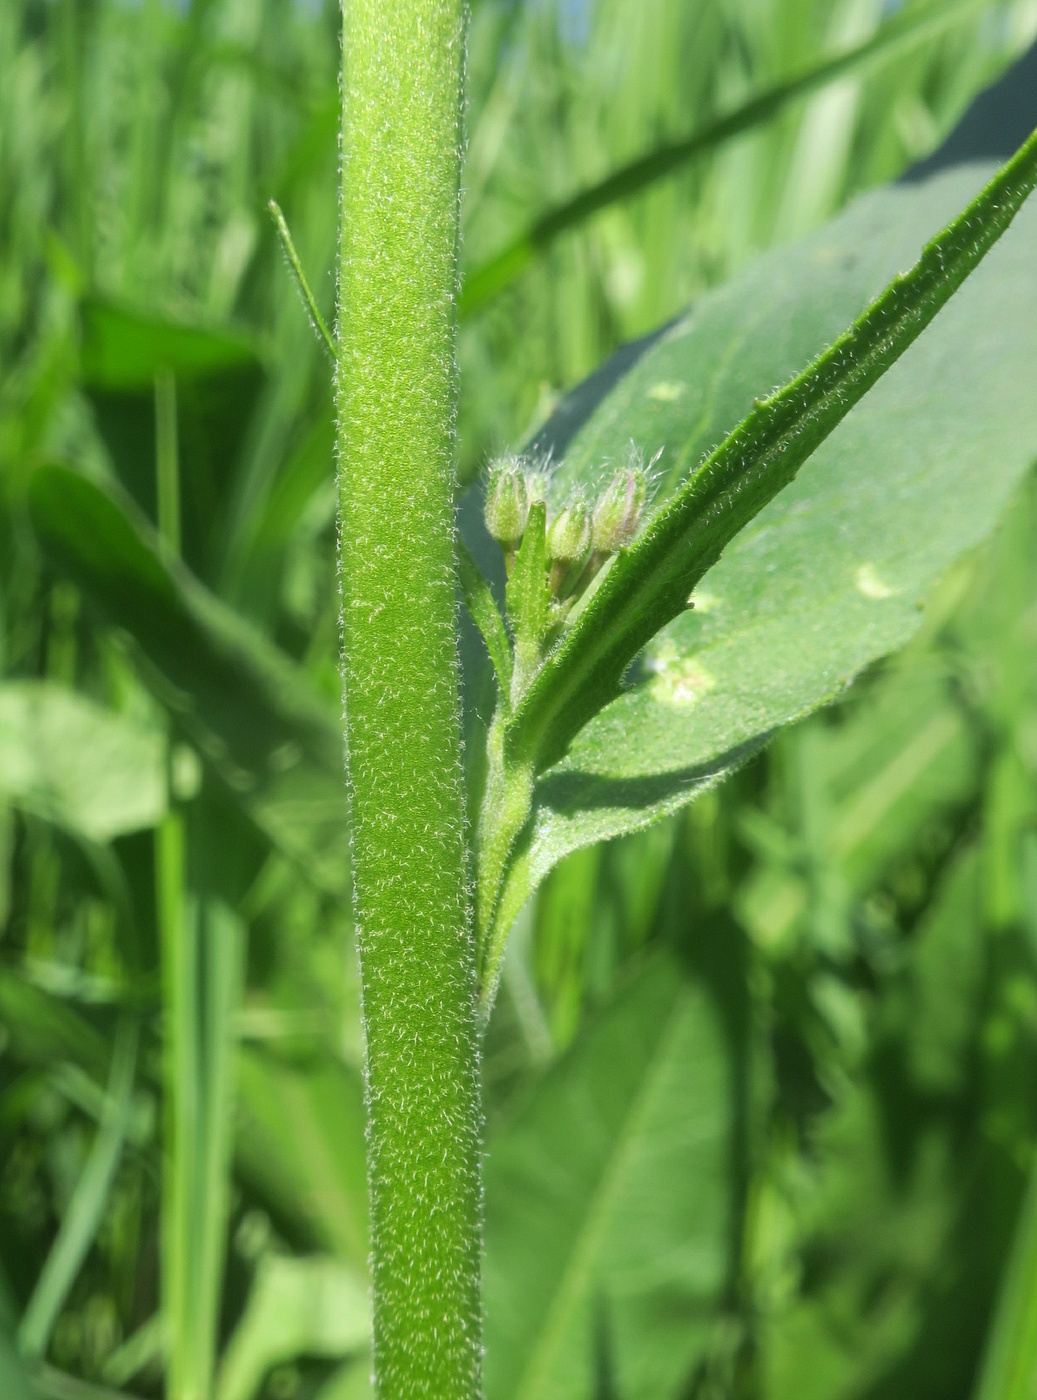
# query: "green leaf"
{"type": "Point", "coordinates": [217, 376]}
{"type": "Point", "coordinates": [122, 349]}
{"type": "Point", "coordinates": [1010, 1363]}
{"type": "Point", "coordinates": [832, 573]}
{"type": "Point", "coordinates": [649, 583]}
{"type": "Point", "coordinates": [298, 1307]}
{"type": "Point", "coordinates": [527, 596]}
{"type": "Point", "coordinates": [85, 1210]}
{"type": "Point", "coordinates": [300, 1146]}
{"type": "Point", "coordinates": [89, 770]}
{"type": "Point", "coordinates": [607, 1196]}
{"type": "Point", "coordinates": [44, 1030]}
{"type": "Point", "coordinates": [251, 713]}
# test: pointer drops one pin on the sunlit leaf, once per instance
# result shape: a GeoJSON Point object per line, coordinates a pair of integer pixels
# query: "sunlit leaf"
{"type": "Point", "coordinates": [833, 572]}
{"type": "Point", "coordinates": [313, 1307]}
{"type": "Point", "coordinates": [88, 769]}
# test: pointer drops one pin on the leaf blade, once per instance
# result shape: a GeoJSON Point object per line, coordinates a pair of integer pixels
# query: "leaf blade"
{"type": "Point", "coordinates": [649, 584]}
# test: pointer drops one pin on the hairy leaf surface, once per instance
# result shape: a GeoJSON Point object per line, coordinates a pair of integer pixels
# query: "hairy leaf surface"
{"type": "Point", "coordinates": [833, 573]}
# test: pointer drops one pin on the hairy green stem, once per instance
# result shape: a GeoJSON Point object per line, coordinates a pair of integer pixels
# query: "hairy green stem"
{"type": "Point", "coordinates": [396, 405]}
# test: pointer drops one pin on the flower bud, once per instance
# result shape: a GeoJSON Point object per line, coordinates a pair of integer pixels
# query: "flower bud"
{"type": "Point", "coordinates": [569, 534]}
{"type": "Point", "coordinates": [537, 483]}
{"type": "Point", "coordinates": [507, 503]}
{"type": "Point", "coordinates": [618, 513]}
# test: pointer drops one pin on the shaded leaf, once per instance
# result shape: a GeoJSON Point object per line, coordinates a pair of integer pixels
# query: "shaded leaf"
{"type": "Point", "coordinates": [300, 1145]}
{"type": "Point", "coordinates": [608, 1193]}
{"type": "Point", "coordinates": [217, 377]}
{"type": "Point", "coordinates": [252, 714]}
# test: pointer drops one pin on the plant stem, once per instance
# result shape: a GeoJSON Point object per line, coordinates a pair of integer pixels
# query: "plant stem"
{"type": "Point", "coordinates": [395, 402]}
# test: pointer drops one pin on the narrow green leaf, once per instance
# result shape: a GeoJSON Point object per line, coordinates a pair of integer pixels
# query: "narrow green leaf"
{"type": "Point", "coordinates": [202, 946]}
{"type": "Point", "coordinates": [609, 1190]}
{"type": "Point", "coordinates": [89, 1200]}
{"type": "Point", "coordinates": [914, 26]}
{"type": "Point", "coordinates": [650, 583]}
{"type": "Point", "coordinates": [1010, 1363]}
{"type": "Point", "coordinates": [485, 614]}
{"type": "Point", "coordinates": [284, 233]}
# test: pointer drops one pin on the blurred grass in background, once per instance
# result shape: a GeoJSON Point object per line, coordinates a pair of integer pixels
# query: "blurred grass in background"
{"type": "Point", "coordinates": [860, 904]}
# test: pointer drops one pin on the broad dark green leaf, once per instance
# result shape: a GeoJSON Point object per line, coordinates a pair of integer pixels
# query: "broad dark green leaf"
{"type": "Point", "coordinates": [122, 349]}
{"type": "Point", "coordinates": [252, 714]}
{"type": "Point", "coordinates": [95, 773]}
{"type": "Point", "coordinates": [833, 573]}
{"type": "Point", "coordinates": [607, 1203]}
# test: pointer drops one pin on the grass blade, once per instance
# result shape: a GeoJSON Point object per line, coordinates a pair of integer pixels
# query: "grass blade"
{"type": "Point", "coordinates": [905, 31]}
{"type": "Point", "coordinates": [649, 583]}
{"type": "Point", "coordinates": [1010, 1363]}
{"type": "Point", "coordinates": [89, 1200]}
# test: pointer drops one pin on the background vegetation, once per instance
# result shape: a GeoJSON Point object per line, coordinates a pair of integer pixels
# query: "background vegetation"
{"type": "Point", "coordinates": [804, 1012]}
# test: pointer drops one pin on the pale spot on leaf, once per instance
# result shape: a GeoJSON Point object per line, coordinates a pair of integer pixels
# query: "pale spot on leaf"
{"type": "Point", "coordinates": [678, 681]}
{"type": "Point", "coordinates": [666, 392]}
{"type": "Point", "coordinates": [870, 584]}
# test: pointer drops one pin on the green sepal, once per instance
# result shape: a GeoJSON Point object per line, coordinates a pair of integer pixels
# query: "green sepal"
{"type": "Point", "coordinates": [528, 599]}
{"type": "Point", "coordinates": [482, 608]}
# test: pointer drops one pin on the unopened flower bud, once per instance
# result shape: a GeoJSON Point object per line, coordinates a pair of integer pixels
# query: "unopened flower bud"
{"type": "Point", "coordinates": [569, 534]}
{"type": "Point", "coordinates": [507, 503]}
{"type": "Point", "coordinates": [618, 513]}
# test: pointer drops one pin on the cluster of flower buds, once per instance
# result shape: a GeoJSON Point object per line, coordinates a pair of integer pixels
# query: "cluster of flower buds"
{"type": "Point", "coordinates": [581, 534]}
